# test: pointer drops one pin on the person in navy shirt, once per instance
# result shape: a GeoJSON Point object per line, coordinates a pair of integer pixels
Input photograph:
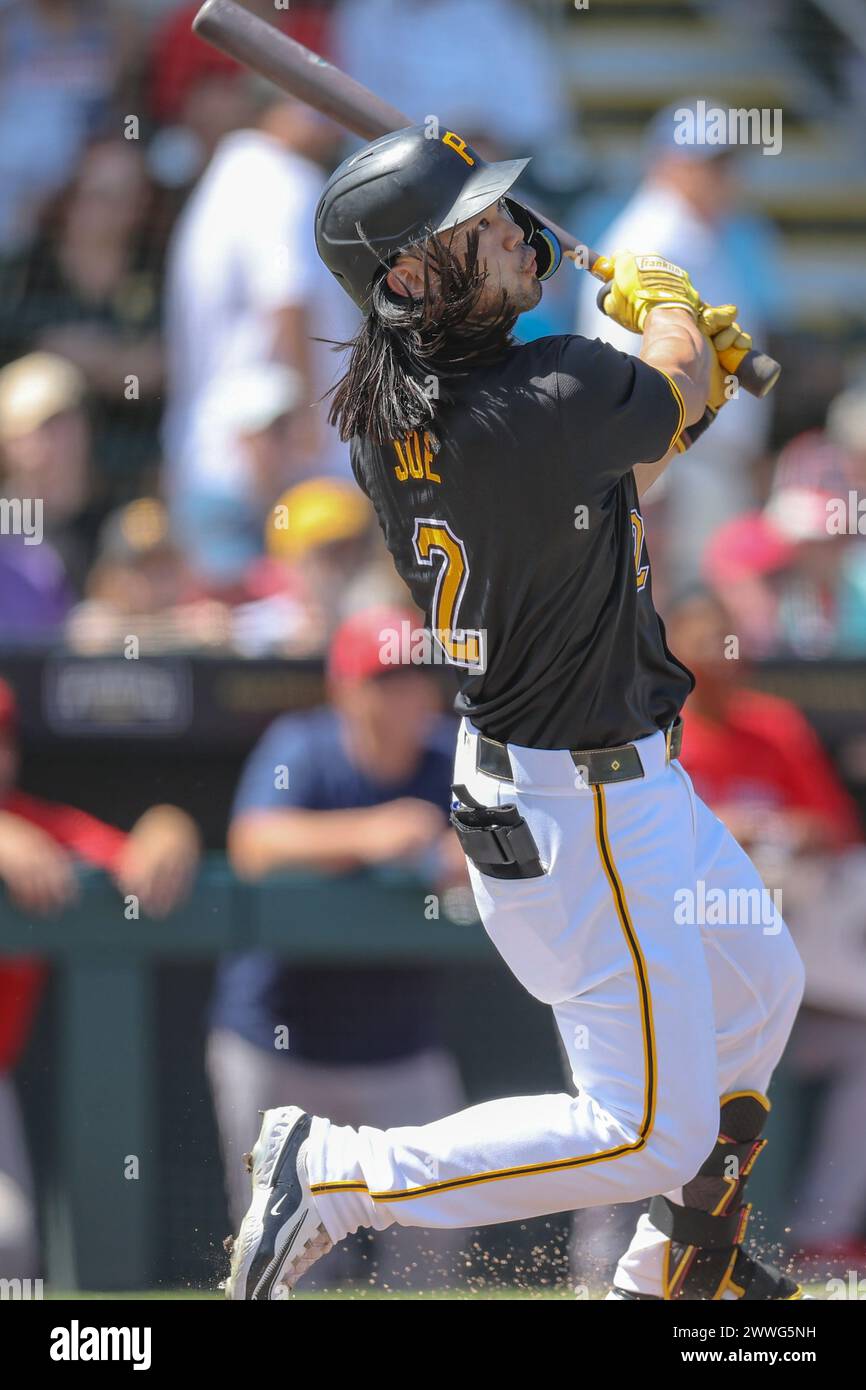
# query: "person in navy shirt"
{"type": "Point", "coordinates": [362, 781]}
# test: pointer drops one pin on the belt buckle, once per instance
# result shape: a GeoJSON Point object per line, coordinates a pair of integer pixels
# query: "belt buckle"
{"type": "Point", "coordinates": [490, 751]}
{"type": "Point", "coordinates": [669, 733]}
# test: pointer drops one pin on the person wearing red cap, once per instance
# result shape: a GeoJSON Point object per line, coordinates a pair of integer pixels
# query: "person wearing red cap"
{"type": "Point", "coordinates": [753, 757]}
{"type": "Point", "coordinates": [360, 782]}
{"type": "Point", "coordinates": [794, 574]}
{"type": "Point", "coordinates": [40, 844]}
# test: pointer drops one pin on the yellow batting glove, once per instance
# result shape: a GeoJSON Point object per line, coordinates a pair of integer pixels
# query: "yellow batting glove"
{"type": "Point", "coordinates": [718, 323]}
{"type": "Point", "coordinates": [729, 340]}
{"type": "Point", "coordinates": [730, 344]}
{"type": "Point", "coordinates": [644, 282]}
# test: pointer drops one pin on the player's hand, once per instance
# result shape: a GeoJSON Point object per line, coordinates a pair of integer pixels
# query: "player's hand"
{"type": "Point", "coordinates": [730, 344]}
{"type": "Point", "coordinates": [400, 829]}
{"type": "Point", "coordinates": [641, 283]}
{"type": "Point", "coordinates": [38, 873]}
{"type": "Point", "coordinates": [159, 860]}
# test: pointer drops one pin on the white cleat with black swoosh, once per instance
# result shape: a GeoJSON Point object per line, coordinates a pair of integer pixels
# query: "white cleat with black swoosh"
{"type": "Point", "coordinates": [282, 1233]}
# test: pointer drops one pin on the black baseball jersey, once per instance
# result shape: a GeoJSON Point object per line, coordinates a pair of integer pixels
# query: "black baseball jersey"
{"type": "Point", "coordinates": [514, 520]}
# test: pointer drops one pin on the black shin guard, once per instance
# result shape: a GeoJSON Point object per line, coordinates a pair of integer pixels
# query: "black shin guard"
{"type": "Point", "coordinates": [703, 1257]}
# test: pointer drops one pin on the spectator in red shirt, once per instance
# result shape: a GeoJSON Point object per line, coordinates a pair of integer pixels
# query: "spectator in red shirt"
{"type": "Point", "coordinates": [40, 842]}
{"type": "Point", "coordinates": [753, 758]}
{"type": "Point", "coordinates": [757, 762]}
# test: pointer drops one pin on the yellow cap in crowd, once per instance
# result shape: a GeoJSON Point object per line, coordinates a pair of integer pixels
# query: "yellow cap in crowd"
{"type": "Point", "coordinates": [317, 512]}
{"type": "Point", "coordinates": [35, 388]}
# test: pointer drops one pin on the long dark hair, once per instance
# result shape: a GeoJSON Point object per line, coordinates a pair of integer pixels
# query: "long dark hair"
{"type": "Point", "coordinates": [405, 344]}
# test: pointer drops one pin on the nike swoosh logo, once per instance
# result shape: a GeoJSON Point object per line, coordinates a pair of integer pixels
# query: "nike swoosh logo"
{"type": "Point", "coordinates": [276, 1207]}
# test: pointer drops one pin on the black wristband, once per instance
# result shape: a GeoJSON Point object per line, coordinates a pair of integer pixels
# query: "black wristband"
{"type": "Point", "coordinates": [688, 436]}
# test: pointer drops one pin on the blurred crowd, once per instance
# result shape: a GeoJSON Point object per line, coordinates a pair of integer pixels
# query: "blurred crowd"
{"type": "Point", "coordinates": [166, 327]}
{"type": "Point", "coordinates": [166, 346]}
{"type": "Point", "coordinates": [167, 332]}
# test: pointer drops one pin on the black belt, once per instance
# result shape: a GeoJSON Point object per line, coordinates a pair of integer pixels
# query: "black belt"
{"type": "Point", "coordinates": [621, 764]}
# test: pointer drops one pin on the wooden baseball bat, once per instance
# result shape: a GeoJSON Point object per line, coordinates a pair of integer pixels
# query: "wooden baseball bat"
{"type": "Point", "coordinates": [309, 77]}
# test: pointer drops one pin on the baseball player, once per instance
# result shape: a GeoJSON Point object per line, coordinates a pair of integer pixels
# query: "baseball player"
{"type": "Point", "coordinates": [507, 479]}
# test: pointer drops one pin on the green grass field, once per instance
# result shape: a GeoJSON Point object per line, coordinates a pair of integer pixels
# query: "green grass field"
{"type": "Point", "coordinates": [338, 1296]}
{"type": "Point", "coordinates": [359, 1293]}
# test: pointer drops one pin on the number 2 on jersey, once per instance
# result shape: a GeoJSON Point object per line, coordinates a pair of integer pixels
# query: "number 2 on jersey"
{"type": "Point", "coordinates": [434, 538]}
{"type": "Point", "coordinates": [641, 571]}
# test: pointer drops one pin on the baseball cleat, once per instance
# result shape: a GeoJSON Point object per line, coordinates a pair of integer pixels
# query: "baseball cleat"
{"type": "Point", "coordinates": [281, 1235]}
{"type": "Point", "coordinates": [624, 1294]}
{"type": "Point", "coordinates": [770, 1285]}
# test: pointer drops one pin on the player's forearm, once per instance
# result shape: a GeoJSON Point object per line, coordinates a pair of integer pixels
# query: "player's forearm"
{"type": "Point", "coordinates": [673, 343]}
{"type": "Point", "coordinates": [263, 842]}
{"type": "Point", "coordinates": [645, 474]}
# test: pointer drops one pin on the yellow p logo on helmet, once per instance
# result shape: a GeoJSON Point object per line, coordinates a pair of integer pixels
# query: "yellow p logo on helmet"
{"type": "Point", "coordinates": [458, 144]}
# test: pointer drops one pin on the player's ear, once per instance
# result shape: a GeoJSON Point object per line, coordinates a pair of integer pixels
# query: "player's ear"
{"type": "Point", "coordinates": [406, 277]}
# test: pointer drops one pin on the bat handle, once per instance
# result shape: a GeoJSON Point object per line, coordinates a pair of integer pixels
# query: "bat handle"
{"type": "Point", "coordinates": [757, 372]}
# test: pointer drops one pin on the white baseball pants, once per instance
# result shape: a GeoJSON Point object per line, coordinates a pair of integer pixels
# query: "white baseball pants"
{"type": "Point", "coordinates": [660, 1016]}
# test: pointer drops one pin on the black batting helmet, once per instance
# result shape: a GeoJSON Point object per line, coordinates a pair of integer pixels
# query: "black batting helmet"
{"type": "Point", "coordinates": [404, 186]}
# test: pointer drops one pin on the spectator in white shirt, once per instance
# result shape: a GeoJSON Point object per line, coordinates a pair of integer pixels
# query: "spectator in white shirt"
{"type": "Point", "coordinates": [688, 209]}
{"type": "Point", "coordinates": [246, 289]}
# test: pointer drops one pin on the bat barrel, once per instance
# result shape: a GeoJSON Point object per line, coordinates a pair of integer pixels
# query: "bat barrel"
{"type": "Point", "coordinates": [259, 46]}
